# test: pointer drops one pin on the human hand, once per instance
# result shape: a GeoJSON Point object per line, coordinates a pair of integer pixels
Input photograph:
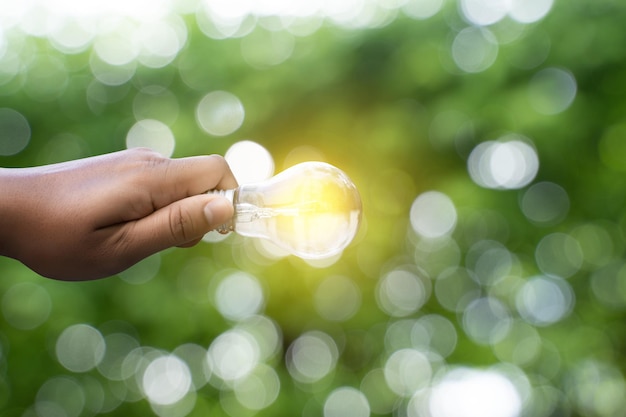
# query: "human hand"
{"type": "Point", "coordinates": [95, 217]}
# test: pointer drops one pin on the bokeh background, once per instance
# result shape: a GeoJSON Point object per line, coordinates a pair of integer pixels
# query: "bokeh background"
{"type": "Point", "coordinates": [487, 139]}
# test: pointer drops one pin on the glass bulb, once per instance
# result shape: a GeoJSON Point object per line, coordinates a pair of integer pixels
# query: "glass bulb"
{"type": "Point", "coordinates": [312, 210]}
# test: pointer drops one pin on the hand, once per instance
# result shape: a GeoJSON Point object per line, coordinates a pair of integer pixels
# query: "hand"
{"type": "Point", "coordinates": [95, 217]}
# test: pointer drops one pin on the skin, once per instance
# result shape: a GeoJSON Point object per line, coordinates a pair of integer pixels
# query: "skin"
{"type": "Point", "coordinates": [95, 217]}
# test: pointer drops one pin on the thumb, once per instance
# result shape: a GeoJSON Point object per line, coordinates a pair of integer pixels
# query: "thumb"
{"type": "Point", "coordinates": [181, 222]}
{"type": "Point", "coordinates": [218, 211]}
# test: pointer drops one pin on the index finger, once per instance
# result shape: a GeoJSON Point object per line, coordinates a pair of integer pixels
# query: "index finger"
{"type": "Point", "coordinates": [194, 175]}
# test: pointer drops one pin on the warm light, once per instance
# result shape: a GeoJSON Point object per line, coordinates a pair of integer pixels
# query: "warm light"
{"type": "Point", "coordinates": [312, 210]}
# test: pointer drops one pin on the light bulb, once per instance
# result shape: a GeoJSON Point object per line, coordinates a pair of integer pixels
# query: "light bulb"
{"type": "Point", "coordinates": [311, 210]}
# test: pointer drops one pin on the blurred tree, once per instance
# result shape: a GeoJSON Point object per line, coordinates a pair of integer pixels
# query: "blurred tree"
{"type": "Point", "coordinates": [486, 138]}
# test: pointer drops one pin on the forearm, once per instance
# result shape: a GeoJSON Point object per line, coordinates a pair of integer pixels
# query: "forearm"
{"type": "Point", "coordinates": [38, 217]}
{"type": "Point", "coordinates": [12, 203]}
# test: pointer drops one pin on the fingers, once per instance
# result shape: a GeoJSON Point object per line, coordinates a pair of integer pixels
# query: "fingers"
{"type": "Point", "coordinates": [164, 204]}
{"type": "Point", "coordinates": [180, 224]}
{"type": "Point", "coordinates": [186, 177]}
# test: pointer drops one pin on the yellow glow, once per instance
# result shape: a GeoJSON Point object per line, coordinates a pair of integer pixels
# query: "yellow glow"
{"type": "Point", "coordinates": [312, 210]}
{"type": "Point", "coordinates": [302, 154]}
{"type": "Point", "coordinates": [314, 214]}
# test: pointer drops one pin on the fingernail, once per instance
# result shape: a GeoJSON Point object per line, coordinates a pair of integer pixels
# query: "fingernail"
{"type": "Point", "coordinates": [218, 211]}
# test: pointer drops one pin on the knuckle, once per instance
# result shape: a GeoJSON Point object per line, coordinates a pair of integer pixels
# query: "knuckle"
{"type": "Point", "coordinates": [218, 160]}
{"type": "Point", "coordinates": [140, 157]}
{"type": "Point", "coordinates": [146, 157]}
{"type": "Point", "coordinates": [143, 151]}
{"type": "Point", "coordinates": [154, 159]}
{"type": "Point", "coordinates": [143, 165]}
{"type": "Point", "coordinates": [221, 168]}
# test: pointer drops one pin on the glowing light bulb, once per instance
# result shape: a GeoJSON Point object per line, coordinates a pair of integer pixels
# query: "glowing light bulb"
{"type": "Point", "coordinates": [312, 210]}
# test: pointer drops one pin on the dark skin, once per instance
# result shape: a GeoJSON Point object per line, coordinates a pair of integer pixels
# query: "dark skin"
{"type": "Point", "coordinates": [95, 217]}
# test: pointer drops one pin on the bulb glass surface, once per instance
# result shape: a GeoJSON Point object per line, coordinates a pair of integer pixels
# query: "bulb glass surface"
{"type": "Point", "coordinates": [312, 210]}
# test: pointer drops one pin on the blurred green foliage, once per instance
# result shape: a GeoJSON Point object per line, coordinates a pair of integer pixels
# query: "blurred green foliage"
{"type": "Point", "coordinates": [528, 283]}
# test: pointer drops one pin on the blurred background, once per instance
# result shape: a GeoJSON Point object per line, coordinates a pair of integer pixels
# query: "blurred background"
{"type": "Point", "coordinates": [487, 139]}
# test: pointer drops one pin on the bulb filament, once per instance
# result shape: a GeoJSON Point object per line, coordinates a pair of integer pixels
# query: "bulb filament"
{"type": "Point", "coordinates": [249, 212]}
